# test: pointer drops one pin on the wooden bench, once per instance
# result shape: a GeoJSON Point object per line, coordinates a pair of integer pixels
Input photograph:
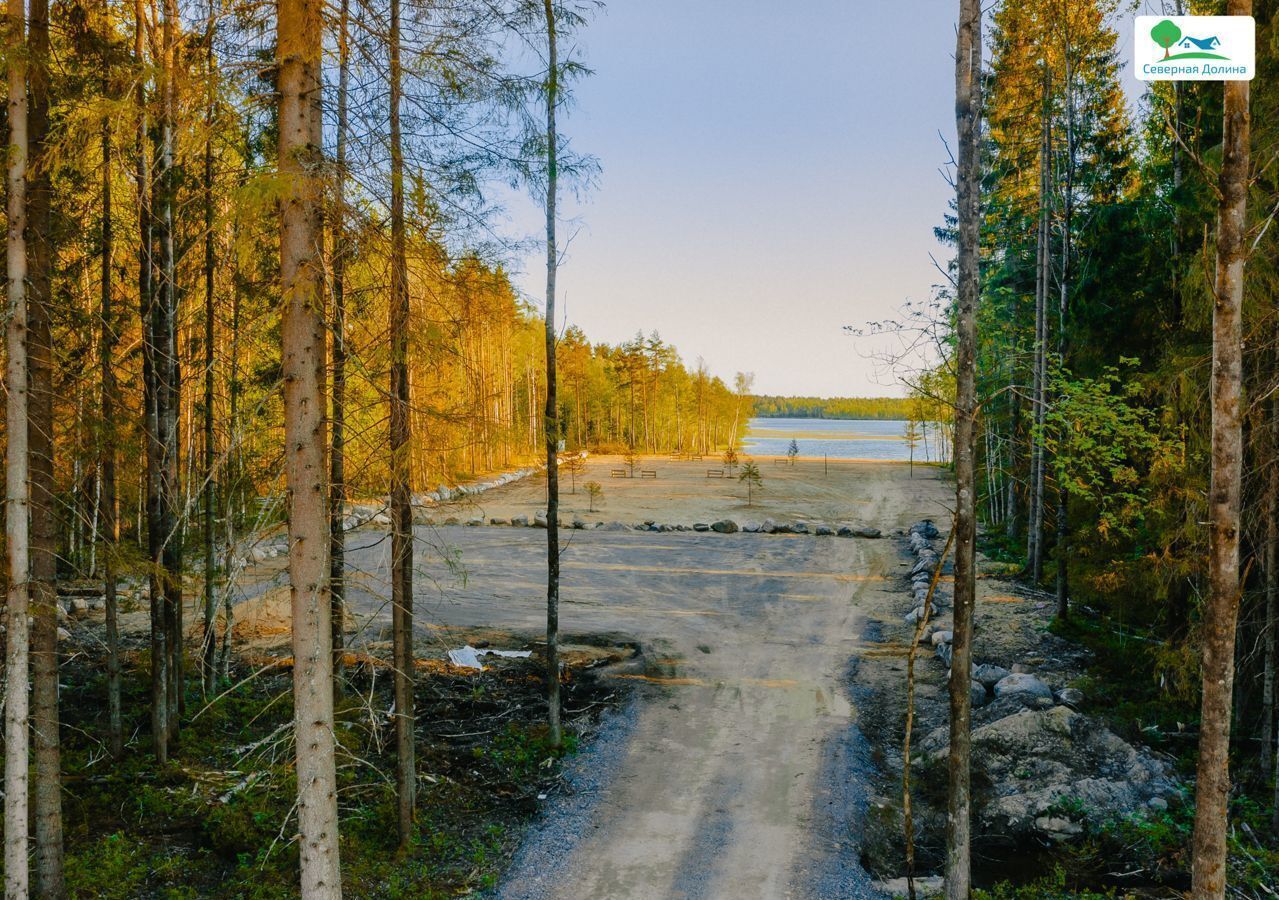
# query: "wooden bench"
{"type": "Point", "coordinates": [648, 473]}
{"type": "Point", "coordinates": [714, 473]}
{"type": "Point", "coordinates": [695, 457]}
{"type": "Point", "coordinates": [617, 473]}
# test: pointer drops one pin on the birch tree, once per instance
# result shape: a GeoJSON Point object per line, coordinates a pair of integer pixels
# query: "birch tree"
{"type": "Point", "coordinates": [17, 469]}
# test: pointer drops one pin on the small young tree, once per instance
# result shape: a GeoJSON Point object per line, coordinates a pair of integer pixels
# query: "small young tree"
{"type": "Point", "coordinates": [574, 466]}
{"type": "Point", "coordinates": [730, 459]}
{"type": "Point", "coordinates": [632, 460]}
{"type": "Point", "coordinates": [792, 451]}
{"type": "Point", "coordinates": [594, 491]}
{"type": "Point", "coordinates": [912, 437]}
{"type": "Point", "coordinates": [753, 480]}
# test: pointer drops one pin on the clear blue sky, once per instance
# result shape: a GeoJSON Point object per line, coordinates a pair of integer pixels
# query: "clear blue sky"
{"type": "Point", "coordinates": [769, 175]}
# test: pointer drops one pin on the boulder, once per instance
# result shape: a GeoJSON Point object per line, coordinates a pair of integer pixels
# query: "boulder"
{"type": "Point", "coordinates": [497, 520]}
{"type": "Point", "coordinates": [925, 886]}
{"type": "Point", "coordinates": [519, 521]}
{"type": "Point", "coordinates": [539, 519]}
{"type": "Point", "coordinates": [579, 523]}
{"type": "Point", "coordinates": [615, 526]}
{"type": "Point", "coordinates": [914, 615]}
{"type": "Point", "coordinates": [768, 526]}
{"type": "Point", "coordinates": [1019, 683]}
{"type": "Point", "coordinates": [452, 520]}
{"type": "Point", "coordinates": [783, 528]}
{"type": "Point", "coordinates": [799, 528]}
{"type": "Point", "coordinates": [751, 527]}
{"type": "Point", "coordinates": [701, 526]}
{"type": "Point", "coordinates": [1072, 697]}
{"type": "Point", "coordinates": [925, 529]}
{"type": "Point", "coordinates": [865, 531]}
{"type": "Point", "coordinates": [823, 531]}
{"type": "Point", "coordinates": [725, 526]}
{"type": "Point", "coordinates": [925, 562]}
{"type": "Point", "coordinates": [944, 652]}
{"type": "Point", "coordinates": [472, 523]}
{"type": "Point", "coordinates": [942, 637]}
{"type": "Point", "coordinates": [977, 693]}
{"type": "Point", "coordinates": [989, 675]}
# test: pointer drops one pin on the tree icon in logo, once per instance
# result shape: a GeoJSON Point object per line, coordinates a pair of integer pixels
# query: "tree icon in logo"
{"type": "Point", "coordinates": [1166, 33]}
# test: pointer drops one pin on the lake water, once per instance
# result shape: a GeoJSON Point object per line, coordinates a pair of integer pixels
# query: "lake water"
{"type": "Point", "coordinates": [836, 439]}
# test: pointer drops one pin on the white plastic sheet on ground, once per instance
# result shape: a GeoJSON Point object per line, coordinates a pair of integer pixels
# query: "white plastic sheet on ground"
{"type": "Point", "coordinates": [468, 657]}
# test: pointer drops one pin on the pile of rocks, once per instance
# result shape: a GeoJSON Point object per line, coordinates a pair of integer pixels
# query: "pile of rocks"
{"type": "Point", "coordinates": [921, 539]}
{"type": "Point", "coordinates": [1042, 770]}
{"type": "Point", "coordinates": [721, 526]}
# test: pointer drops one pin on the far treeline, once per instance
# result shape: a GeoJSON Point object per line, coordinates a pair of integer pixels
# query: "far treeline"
{"type": "Point", "coordinates": [774, 407]}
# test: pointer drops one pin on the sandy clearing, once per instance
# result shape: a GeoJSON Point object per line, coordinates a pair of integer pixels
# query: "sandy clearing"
{"type": "Point", "coordinates": [738, 774]}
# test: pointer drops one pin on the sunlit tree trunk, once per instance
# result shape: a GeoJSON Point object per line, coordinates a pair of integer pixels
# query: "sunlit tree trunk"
{"type": "Point", "coordinates": [209, 655]}
{"type": "Point", "coordinates": [552, 410]}
{"type": "Point", "coordinates": [401, 450]}
{"type": "Point", "coordinates": [1035, 532]}
{"type": "Point", "coordinates": [298, 49]}
{"type": "Point", "coordinates": [1221, 608]}
{"type": "Point", "coordinates": [17, 471]}
{"type": "Point", "coordinates": [968, 122]}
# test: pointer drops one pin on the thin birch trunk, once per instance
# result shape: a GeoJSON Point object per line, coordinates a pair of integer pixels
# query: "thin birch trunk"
{"type": "Point", "coordinates": [17, 474]}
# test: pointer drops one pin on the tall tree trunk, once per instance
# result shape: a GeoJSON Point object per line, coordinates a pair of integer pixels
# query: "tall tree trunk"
{"type": "Point", "coordinates": [401, 450]}
{"type": "Point", "coordinates": [298, 49]}
{"type": "Point", "coordinates": [17, 472]}
{"type": "Point", "coordinates": [1222, 607]}
{"type": "Point", "coordinates": [968, 120]}
{"type": "Point", "coordinates": [42, 594]}
{"type": "Point", "coordinates": [337, 455]}
{"type": "Point", "coordinates": [106, 456]}
{"type": "Point", "coordinates": [1067, 226]}
{"type": "Point", "coordinates": [209, 655]}
{"type": "Point", "coordinates": [168, 372]}
{"type": "Point", "coordinates": [552, 409]}
{"type": "Point", "coordinates": [151, 398]}
{"type": "Point", "coordinates": [47, 791]}
{"type": "Point", "coordinates": [1035, 532]}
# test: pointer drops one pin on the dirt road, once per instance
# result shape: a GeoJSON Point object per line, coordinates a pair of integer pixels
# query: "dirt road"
{"type": "Point", "coordinates": [736, 775]}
